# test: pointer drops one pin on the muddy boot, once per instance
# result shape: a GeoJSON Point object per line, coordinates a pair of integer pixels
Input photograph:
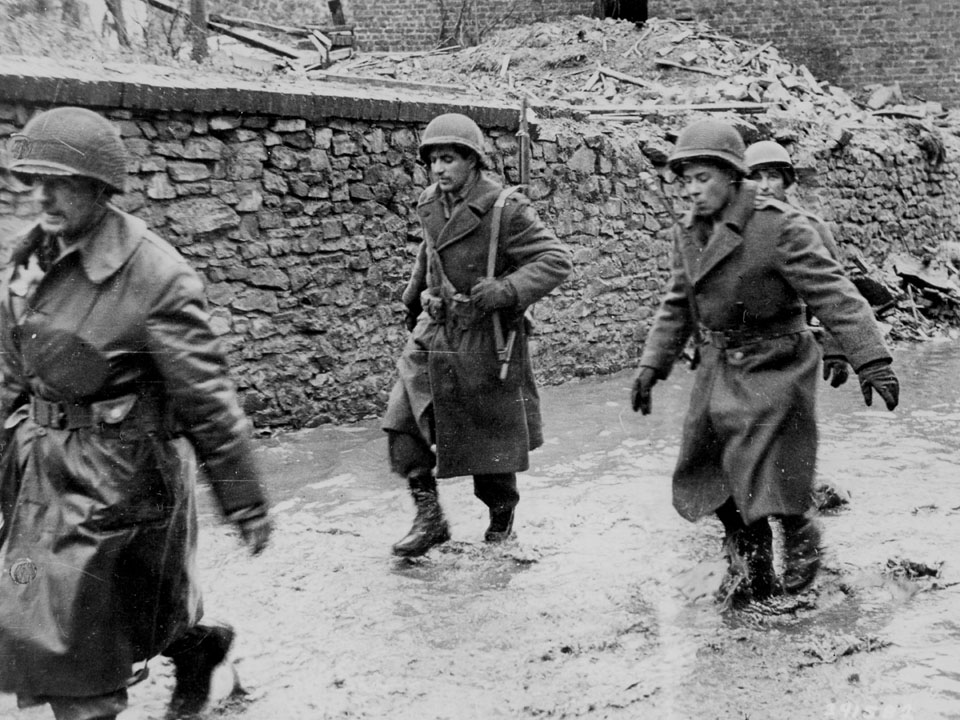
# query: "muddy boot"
{"type": "Point", "coordinates": [498, 491]}
{"type": "Point", "coordinates": [750, 573]}
{"type": "Point", "coordinates": [801, 552]}
{"type": "Point", "coordinates": [756, 546]}
{"type": "Point", "coordinates": [196, 655]}
{"type": "Point", "coordinates": [429, 526]}
{"type": "Point", "coordinates": [500, 528]}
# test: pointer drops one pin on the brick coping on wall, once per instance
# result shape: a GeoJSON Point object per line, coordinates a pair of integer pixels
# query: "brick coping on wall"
{"type": "Point", "coordinates": [157, 88]}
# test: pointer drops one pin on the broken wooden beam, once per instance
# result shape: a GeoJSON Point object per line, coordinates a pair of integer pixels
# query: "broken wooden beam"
{"type": "Point", "coordinates": [254, 40]}
{"type": "Point", "coordinates": [653, 109]}
{"type": "Point", "coordinates": [633, 80]}
{"type": "Point", "coordinates": [749, 57]}
{"type": "Point", "coordinates": [318, 73]}
{"type": "Point", "coordinates": [257, 25]}
{"type": "Point", "coordinates": [691, 68]}
{"type": "Point", "coordinates": [244, 37]}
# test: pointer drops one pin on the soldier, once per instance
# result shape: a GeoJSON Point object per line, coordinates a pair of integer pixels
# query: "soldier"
{"type": "Point", "coordinates": [743, 266]}
{"type": "Point", "coordinates": [770, 166]}
{"type": "Point", "coordinates": [110, 380]}
{"type": "Point", "coordinates": [466, 401]}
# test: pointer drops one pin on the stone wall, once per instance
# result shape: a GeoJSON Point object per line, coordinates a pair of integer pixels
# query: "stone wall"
{"type": "Point", "coordinates": [851, 43]}
{"type": "Point", "coordinates": [302, 224]}
{"type": "Point", "coordinates": [418, 25]}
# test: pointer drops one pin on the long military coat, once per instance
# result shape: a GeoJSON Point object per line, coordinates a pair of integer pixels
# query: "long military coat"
{"type": "Point", "coordinates": [98, 522]}
{"type": "Point", "coordinates": [482, 424]}
{"type": "Point", "coordinates": [750, 431]}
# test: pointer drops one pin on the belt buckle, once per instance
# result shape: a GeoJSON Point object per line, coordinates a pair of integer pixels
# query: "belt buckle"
{"type": "Point", "coordinates": [50, 414]}
{"type": "Point", "coordinates": [58, 419]}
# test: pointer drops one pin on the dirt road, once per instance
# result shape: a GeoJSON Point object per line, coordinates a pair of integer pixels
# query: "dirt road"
{"type": "Point", "coordinates": [603, 608]}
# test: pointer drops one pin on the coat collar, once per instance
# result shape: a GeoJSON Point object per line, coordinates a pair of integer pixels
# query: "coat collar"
{"type": "Point", "coordinates": [725, 235]}
{"type": "Point", "coordinates": [103, 250]}
{"type": "Point", "coordinates": [466, 217]}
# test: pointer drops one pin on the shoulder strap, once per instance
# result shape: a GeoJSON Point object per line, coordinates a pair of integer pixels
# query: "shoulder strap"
{"type": "Point", "coordinates": [495, 227]}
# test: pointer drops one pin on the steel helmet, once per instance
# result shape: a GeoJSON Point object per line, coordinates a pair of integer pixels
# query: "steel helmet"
{"type": "Point", "coordinates": [71, 141]}
{"type": "Point", "coordinates": [769, 154]}
{"type": "Point", "coordinates": [452, 129]}
{"type": "Point", "coordinates": [709, 140]}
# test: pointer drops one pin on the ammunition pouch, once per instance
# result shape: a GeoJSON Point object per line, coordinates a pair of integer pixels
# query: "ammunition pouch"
{"type": "Point", "coordinates": [453, 310]}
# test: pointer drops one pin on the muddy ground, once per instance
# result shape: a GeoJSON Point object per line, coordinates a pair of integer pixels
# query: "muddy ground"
{"type": "Point", "coordinates": [603, 608]}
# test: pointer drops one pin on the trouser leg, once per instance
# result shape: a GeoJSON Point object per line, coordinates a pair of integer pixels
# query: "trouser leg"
{"type": "Point", "coordinates": [498, 491]}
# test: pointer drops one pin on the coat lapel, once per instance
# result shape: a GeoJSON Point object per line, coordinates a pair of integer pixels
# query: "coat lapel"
{"type": "Point", "coordinates": [722, 242]}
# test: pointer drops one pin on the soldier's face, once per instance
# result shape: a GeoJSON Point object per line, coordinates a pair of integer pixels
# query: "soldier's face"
{"type": "Point", "coordinates": [709, 187]}
{"type": "Point", "coordinates": [70, 204]}
{"type": "Point", "coordinates": [771, 183]}
{"type": "Point", "coordinates": [451, 167]}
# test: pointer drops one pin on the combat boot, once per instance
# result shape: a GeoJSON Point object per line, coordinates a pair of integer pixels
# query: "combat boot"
{"type": "Point", "coordinates": [756, 545]}
{"type": "Point", "coordinates": [801, 552]}
{"type": "Point", "coordinates": [196, 655]}
{"type": "Point", "coordinates": [429, 526]}
{"type": "Point", "coordinates": [750, 573]}
{"type": "Point", "coordinates": [500, 528]}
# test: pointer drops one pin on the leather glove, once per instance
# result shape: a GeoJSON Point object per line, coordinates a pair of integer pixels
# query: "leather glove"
{"type": "Point", "coordinates": [255, 532]}
{"type": "Point", "coordinates": [642, 385]}
{"type": "Point", "coordinates": [413, 313]}
{"type": "Point", "coordinates": [879, 376]}
{"type": "Point", "coordinates": [489, 294]}
{"type": "Point", "coordinates": [836, 370]}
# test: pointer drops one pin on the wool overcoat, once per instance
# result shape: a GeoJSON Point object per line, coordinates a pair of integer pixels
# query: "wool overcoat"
{"type": "Point", "coordinates": [482, 424]}
{"type": "Point", "coordinates": [98, 520]}
{"type": "Point", "coordinates": [750, 431]}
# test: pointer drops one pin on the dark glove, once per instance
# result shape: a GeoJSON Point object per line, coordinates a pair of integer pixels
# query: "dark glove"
{"type": "Point", "coordinates": [489, 294]}
{"type": "Point", "coordinates": [413, 313]}
{"type": "Point", "coordinates": [836, 370]}
{"type": "Point", "coordinates": [879, 376]}
{"type": "Point", "coordinates": [255, 532]}
{"type": "Point", "coordinates": [642, 384]}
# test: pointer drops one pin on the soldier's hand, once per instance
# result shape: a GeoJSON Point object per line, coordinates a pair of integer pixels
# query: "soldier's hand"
{"type": "Point", "coordinates": [255, 532]}
{"type": "Point", "coordinates": [836, 370]}
{"type": "Point", "coordinates": [412, 315]}
{"type": "Point", "coordinates": [489, 294]}
{"type": "Point", "coordinates": [642, 385]}
{"type": "Point", "coordinates": [879, 376]}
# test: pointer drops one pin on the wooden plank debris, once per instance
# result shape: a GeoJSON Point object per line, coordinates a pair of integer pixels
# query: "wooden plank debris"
{"type": "Point", "coordinates": [256, 41]}
{"type": "Point", "coordinates": [623, 77]}
{"type": "Point", "coordinates": [317, 73]}
{"type": "Point", "coordinates": [749, 57]}
{"type": "Point", "coordinates": [692, 68]}
{"type": "Point", "coordinates": [606, 111]}
{"type": "Point", "coordinates": [257, 25]}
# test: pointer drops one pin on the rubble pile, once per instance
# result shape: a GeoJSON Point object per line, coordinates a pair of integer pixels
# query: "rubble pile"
{"type": "Point", "coordinates": [664, 65]}
{"type": "Point", "coordinates": [647, 81]}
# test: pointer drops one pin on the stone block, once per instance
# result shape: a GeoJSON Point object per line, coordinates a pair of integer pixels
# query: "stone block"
{"type": "Point", "coordinates": [583, 161]}
{"type": "Point", "coordinates": [201, 215]}
{"type": "Point", "coordinates": [203, 148]}
{"type": "Point", "coordinates": [182, 171]}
